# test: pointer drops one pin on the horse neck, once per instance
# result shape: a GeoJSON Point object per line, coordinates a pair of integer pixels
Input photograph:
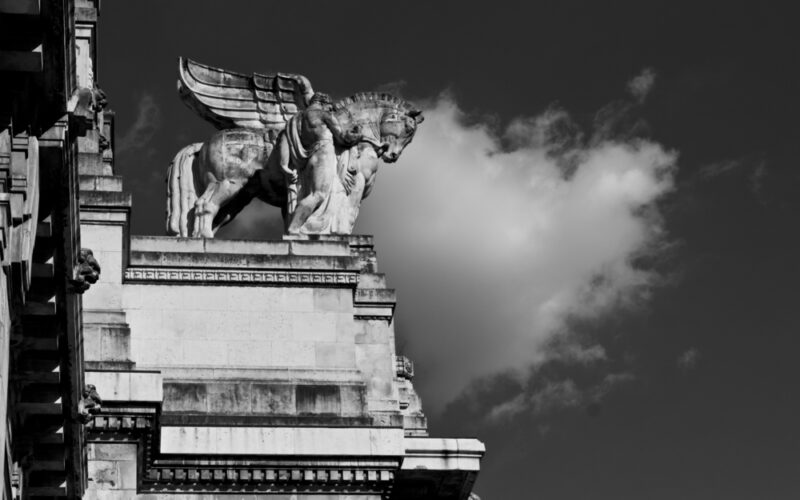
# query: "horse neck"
{"type": "Point", "coordinates": [368, 115]}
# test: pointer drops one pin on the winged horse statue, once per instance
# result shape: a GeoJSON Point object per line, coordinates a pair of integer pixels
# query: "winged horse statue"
{"type": "Point", "coordinates": [281, 142]}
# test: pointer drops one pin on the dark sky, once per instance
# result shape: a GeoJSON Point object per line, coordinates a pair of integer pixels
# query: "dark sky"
{"type": "Point", "coordinates": [711, 409]}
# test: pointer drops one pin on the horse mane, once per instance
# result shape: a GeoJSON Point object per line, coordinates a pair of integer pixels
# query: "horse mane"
{"type": "Point", "coordinates": [374, 97]}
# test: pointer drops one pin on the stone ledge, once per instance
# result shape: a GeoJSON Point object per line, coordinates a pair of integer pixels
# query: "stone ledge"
{"type": "Point", "coordinates": [171, 244]}
{"type": "Point", "coordinates": [208, 260]}
{"type": "Point", "coordinates": [264, 399]}
{"type": "Point", "coordinates": [124, 386]}
{"type": "Point", "coordinates": [178, 419]}
{"type": "Point", "coordinates": [374, 303]}
{"type": "Point", "coordinates": [104, 199]}
{"type": "Point", "coordinates": [353, 240]}
{"type": "Point", "coordinates": [282, 441]}
{"type": "Point", "coordinates": [287, 375]}
{"type": "Point", "coordinates": [105, 183]}
{"type": "Point", "coordinates": [443, 454]}
{"type": "Point", "coordinates": [243, 277]}
{"type": "Point", "coordinates": [374, 296]}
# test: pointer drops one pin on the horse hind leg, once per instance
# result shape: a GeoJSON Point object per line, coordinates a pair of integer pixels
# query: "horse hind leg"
{"type": "Point", "coordinates": [240, 199]}
{"type": "Point", "coordinates": [202, 221]}
{"type": "Point", "coordinates": [216, 195]}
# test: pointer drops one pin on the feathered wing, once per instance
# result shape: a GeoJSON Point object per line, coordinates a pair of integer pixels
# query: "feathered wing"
{"type": "Point", "coordinates": [231, 100]}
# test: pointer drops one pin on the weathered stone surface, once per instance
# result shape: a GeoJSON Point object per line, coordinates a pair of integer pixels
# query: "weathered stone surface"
{"type": "Point", "coordinates": [128, 385]}
{"type": "Point", "coordinates": [275, 399]}
{"type": "Point", "coordinates": [285, 144]}
{"type": "Point", "coordinates": [112, 471]}
{"type": "Point", "coordinates": [277, 441]}
{"type": "Point", "coordinates": [254, 368]}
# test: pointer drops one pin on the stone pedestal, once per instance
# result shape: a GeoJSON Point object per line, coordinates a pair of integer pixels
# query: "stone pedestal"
{"type": "Point", "coordinates": [261, 368]}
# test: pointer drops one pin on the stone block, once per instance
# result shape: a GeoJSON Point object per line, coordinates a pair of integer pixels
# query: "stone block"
{"type": "Point", "coordinates": [146, 386]}
{"type": "Point", "coordinates": [103, 295]}
{"type": "Point", "coordinates": [333, 299]}
{"type": "Point", "coordinates": [105, 199]}
{"type": "Point", "coordinates": [92, 341]}
{"type": "Point", "coordinates": [372, 280]}
{"type": "Point", "coordinates": [353, 400]}
{"type": "Point", "coordinates": [100, 183]}
{"type": "Point", "coordinates": [298, 299]}
{"type": "Point", "coordinates": [246, 247]}
{"type": "Point", "coordinates": [185, 397]}
{"type": "Point", "coordinates": [245, 354]}
{"type": "Point", "coordinates": [283, 441]}
{"type": "Point", "coordinates": [373, 331]}
{"type": "Point", "coordinates": [103, 474]}
{"type": "Point", "coordinates": [111, 264]}
{"type": "Point", "coordinates": [166, 244]}
{"type": "Point", "coordinates": [115, 342]}
{"type": "Point", "coordinates": [335, 355]}
{"type": "Point", "coordinates": [332, 248]}
{"type": "Point", "coordinates": [156, 353]}
{"type": "Point", "coordinates": [443, 454]}
{"type": "Point", "coordinates": [318, 400]}
{"type": "Point", "coordinates": [273, 399]}
{"type": "Point", "coordinates": [102, 238]}
{"type": "Point", "coordinates": [293, 354]}
{"type": "Point", "coordinates": [94, 316]}
{"type": "Point", "coordinates": [316, 326]}
{"type": "Point", "coordinates": [127, 475]}
{"type": "Point", "coordinates": [204, 352]}
{"type": "Point", "coordinates": [111, 451]}
{"type": "Point", "coordinates": [266, 327]}
{"type": "Point", "coordinates": [95, 494]}
{"type": "Point", "coordinates": [228, 398]}
{"type": "Point", "coordinates": [127, 385]}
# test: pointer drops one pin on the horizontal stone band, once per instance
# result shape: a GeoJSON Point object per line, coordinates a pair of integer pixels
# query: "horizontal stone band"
{"type": "Point", "coordinates": [259, 475]}
{"type": "Point", "coordinates": [241, 276]}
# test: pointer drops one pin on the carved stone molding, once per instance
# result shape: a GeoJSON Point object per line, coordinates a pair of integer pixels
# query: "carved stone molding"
{"type": "Point", "coordinates": [370, 478]}
{"type": "Point", "coordinates": [405, 367]}
{"type": "Point", "coordinates": [187, 473]}
{"type": "Point", "coordinates": [243, 276]}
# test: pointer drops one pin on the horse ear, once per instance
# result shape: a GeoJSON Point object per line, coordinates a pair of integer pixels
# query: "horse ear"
{"type": "Point", "coordinates": [416, 115]}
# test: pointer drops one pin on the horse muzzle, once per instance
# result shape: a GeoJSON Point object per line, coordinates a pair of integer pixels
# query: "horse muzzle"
{"type": "Point", "coordinates": [389, 157]}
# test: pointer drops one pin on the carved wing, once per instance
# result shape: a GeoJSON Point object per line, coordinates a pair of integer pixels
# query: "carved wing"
{"type": "Point", "coordinates": [230, 100]}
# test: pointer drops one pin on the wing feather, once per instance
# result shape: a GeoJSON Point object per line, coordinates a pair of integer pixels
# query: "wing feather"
{"type": "Point", "coordinates": [228, 99]}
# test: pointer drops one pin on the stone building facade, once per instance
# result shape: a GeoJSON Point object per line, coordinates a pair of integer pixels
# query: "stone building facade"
{"type": "Point", "coordinates": [48, 115]}
{"type": "Point", "coordinates": [193, 368]}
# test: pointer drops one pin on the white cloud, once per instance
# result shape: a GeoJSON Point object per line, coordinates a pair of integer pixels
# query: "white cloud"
{"type": "Point", "coordinates": [641, 85]}
{"type": "Point", "coordinates": [757, 179]}
{"type": "Point", "coordinates": [716, 169]}
{"type": "Point", "coordinates": [688, 359]}
{"type": "Point", "coordinates": [494, 250]}
{"type": "Point", "coordinates": [147, 123]}
{"type": "Point", "coordinates": [551, 396]}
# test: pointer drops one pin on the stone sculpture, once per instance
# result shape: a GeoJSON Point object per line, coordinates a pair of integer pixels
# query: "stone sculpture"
{"type": "Point", "coordinates": [86, 272]}
{"type": "Point", "coordinates": [89, 404]}
{"type": "Point", "coordinates": [284, 144]}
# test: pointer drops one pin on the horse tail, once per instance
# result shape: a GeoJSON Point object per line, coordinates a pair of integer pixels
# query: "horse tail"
{"type": "Point", "coordinates": [181, 193]}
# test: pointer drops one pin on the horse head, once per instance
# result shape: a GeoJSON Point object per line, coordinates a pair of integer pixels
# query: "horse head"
{"type": "Point", "coordinates": [388, 123]}
{"type": "Point", "coordinates": [397, 128]}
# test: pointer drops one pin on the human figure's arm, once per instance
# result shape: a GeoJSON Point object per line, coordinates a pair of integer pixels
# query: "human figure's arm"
{"type": "Point", "coordinates": [347, 138]}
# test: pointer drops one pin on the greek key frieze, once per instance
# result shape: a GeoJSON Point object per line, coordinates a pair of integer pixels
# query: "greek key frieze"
{"type": "Point", "coordinates": [244, 276]}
